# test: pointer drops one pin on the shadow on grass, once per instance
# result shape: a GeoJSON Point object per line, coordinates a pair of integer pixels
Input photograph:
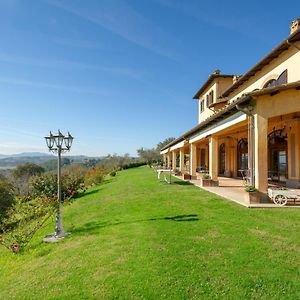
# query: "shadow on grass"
{"type": "Point", "coordinates": [182, 183]}
{"type": "Point", "coordinates": [181, 218]}
{"type": "Point", "coordinates": [94, 191]}
{"type": "Point", "coordinates": [87, 193]}
{"type": "Point", "coordinates": [106, 181]}
{"type": "Point", "coordinates": [93, 227]}
{"type": "Point", "coordinates": [176, 182]}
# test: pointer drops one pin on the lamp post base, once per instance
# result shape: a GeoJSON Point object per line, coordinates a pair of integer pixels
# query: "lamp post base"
{"type": "Point", "coordinates": [53, 238]}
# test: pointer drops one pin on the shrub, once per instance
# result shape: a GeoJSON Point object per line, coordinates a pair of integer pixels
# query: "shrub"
{"type": "Point", "coordinates": [206, 176]}
{"type": "Point", "coordinates": [76, 169]}
{"type": "Point", "coordinates": [25, 217]}
{"type": "Point", "coordinates": [45, 186]}
{"type": "Point", "coordinates": [7, 197]}
{"type": "Point", "coordinates": [94, 176]}
{"type": "Point", "coordinates": [113, 173]}
{"type": "Point", "coordinates": [250, 189]}
{"type": "Point", "coordinates": [133, 165]}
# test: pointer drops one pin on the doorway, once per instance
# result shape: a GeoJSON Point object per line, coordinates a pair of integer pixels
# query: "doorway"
{"type": "Point", "coordinates": [278, 158]}
{"type": "Point", "coordinates": [222, 158]}
{"type": "Point", "coordinates": [242, 152]}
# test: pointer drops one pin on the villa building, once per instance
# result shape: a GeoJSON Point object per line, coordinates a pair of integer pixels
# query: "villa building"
{"type": "Point", "coordinates": [247, 124]}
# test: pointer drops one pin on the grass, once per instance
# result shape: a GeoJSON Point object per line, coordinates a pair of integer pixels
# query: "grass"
{"type": "Point", "coordinates": [137, 238]}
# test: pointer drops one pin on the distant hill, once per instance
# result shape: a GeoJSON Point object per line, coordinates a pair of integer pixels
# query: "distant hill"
{"type": "Point", "coordinates": [30, 154]}
{"type": "Point", "coordinates": [11, 161]}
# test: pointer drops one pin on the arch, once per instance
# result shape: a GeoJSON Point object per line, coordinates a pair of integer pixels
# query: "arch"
{"type": "Point", "coordinates": [268, 79]}
{"type": "Point", "coordinates": [270, 83]}
{"type": "Point", "coordinates": [278, 80]}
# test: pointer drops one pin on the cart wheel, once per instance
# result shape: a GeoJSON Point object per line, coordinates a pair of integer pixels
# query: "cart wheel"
{"type": "Point", "coordinates": [280, 200]}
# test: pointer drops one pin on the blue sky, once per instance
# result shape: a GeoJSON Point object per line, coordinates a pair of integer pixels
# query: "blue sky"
{"type": "Point", "coordinates": [121, 74]}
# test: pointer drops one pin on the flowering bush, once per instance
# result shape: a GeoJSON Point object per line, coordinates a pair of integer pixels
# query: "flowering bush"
{"type": "Point", "coordinates": [94, 176]}
{"type": "Point", "coordinates": [45, 186]}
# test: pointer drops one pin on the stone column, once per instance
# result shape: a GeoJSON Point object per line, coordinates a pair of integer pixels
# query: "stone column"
{"type": "Point", "coordinates": [181, 160]}
{"type": "Point", "coordinates": [261, 152]}
{"type": "Point", "coordinates": [164, 160]}
{"type": "Point", "coordinates": [293, 130]}
{"type": "Point", "coordinates": [169, 160]}
{"type": "Point", "coordinates": [207, 156]}
{"type": "Point", "coordinates": [193, 159]}
{"type": "Point", "coordinates": [174, 160]}
{"type": "Point", "coordinates": [213, 158]}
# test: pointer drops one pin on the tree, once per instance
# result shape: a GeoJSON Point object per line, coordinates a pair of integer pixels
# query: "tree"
{"type": "Point", "coordinates": [27, 170]}
{"type": "Point", "coordinates": [7, 198]}
{"type": "Point", "coordinates": [149, 156]}
{"type": "Point", "coordinates": [115, 162]}
{"type": "Point", "coordinates": [164, 143]}
{"type": "Point", "coordinates": [21, 176]}
{"type": "Point", "coordinates": [51, 164]}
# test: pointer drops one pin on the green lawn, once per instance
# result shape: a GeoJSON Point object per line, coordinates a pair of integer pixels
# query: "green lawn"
{"type": "Point", "coordinates": [137, 238]}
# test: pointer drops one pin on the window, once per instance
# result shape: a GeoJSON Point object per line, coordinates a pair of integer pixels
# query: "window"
{"type": "Point", "coordinates": [282, 79]}
{"type": "Point", "coordinates": [201, 105]}
{"type": "Point", "coordinates": [270, 83]}
{"type": "Point", "coordinates": [242, 150]}
{"type": "Point", "coordinates": [209, 98]}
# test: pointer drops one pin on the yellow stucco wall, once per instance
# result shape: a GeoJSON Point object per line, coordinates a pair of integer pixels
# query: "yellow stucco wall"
{"type": "Point", "coordinates": [289, 60]}
{"type": "Point", "coordinates": [283, 103]}
{"type": "Point", "coordinates": [207, 112]}
{"type": "Point", "coordinates": [218, 86]}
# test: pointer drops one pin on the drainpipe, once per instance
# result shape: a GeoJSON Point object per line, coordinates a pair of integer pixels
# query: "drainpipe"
{"type": "Point", "coordinates": [251, 144]}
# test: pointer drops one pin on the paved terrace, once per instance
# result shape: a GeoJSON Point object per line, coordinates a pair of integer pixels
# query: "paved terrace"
{"type": "Point", "coordinates": [234, 190]}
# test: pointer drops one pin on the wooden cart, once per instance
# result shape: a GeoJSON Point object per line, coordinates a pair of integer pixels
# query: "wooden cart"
{"type": "Point", "coordinates": [281, 196]}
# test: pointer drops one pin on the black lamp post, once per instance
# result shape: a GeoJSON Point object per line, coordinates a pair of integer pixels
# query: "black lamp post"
{"type": "Point", "coordinates": [58, 143]}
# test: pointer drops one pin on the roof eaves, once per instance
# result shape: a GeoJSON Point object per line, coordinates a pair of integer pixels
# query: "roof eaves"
{"type": "Point", "coordinates": [210, 79]}
{"type": "Point", "coordinates": [179, 139]}
{"type": "Point", "coordinates": [284, 45]}
{"type": "Point", "coordinates": [276, 89]}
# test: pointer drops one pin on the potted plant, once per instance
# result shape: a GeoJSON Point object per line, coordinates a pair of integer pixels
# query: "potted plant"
{"type": "Point", "coordinates": [186, 176]}
{"type": "Point", "coordinates": [253, 194]}
{"type": "Point", "coordinates": [177, 172]}
{"type": "Point", "coordinates": [207, 181]}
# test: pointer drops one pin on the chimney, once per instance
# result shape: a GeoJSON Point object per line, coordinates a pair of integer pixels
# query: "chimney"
{"type": "Point", "coordinates": [236, 78]}
{"type": "Point", "coordinates": [295, 25]}
{"type": "Point", "coordinates": [217, 72]}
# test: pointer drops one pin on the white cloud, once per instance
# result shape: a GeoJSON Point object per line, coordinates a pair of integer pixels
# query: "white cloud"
{"type": "Point", "coordinates": [124, 21]}
{"type": "Point", "coordinates": [48, 63]}
{"type": "Point", "coordinates": [39, 84]}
